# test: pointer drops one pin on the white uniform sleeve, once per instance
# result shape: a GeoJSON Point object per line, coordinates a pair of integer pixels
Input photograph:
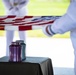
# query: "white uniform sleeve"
{"type": "Point", "coordinates": [67, 22]}
{"type": "Point", "coordinates": [7, 4]}
{"type": "Point", "coordinates": [22, 4]}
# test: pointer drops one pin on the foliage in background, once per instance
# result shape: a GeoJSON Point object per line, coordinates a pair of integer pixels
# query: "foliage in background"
{"type": "Point", "coordinates": [42, 8]}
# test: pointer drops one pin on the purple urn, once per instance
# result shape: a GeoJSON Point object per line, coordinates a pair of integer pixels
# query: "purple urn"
{"type": "Point", "coordinates": [15, 52]}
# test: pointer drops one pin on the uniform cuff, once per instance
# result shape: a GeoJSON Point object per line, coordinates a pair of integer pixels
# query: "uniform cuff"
{"type": "Point", "coordinates": [48, 31]}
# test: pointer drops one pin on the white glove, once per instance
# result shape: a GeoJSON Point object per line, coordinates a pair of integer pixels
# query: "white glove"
{"type": "Point", "coordinates": [47, 30]}
{"type": "Point", "coordinates": [16, 9]}
{"type": "Point", "coordinates": [23, 4]}
{"type": "Point", "coordinates": [11, 8]}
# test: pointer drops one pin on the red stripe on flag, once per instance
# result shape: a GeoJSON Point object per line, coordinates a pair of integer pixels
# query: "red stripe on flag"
{"type": "Point", "coordinates": [28, 16]}
{"type": "Point", "coordinates": [22, 28]}
{"type": "Point", "coordinates": [27, 22]}
{"type": "Point", "coordinates": [45, 23]}
{"type": "Point", "coordinates": [7, 17]}
{"type": "Point", "coordinates": [24, 17]}
{"type": "Point", "coordinates": [2, 27]}
{"type": "Point", "coordinates": [39, 22]}
{"type": "Point", "coordinates": [11, 16]}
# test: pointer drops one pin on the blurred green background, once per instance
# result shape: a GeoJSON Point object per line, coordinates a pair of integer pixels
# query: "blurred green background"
{"type": "Point", "coordinates": [42, 8]}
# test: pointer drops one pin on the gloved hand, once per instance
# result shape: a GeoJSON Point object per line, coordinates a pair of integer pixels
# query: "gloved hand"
{"type": "Point", "coordinates": [47, 30]}
{"type": "Point", "coordinates": [14, 11]}
{"type": "Point", "coordinates": [16, 8]}
{"type": "Point", "coordinates": [11, 8]}
{"type": "Point", "coordinates": [11, 11]}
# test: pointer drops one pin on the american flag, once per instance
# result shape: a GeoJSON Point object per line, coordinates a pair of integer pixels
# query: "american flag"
{"type": "Point", "coordinates": [23, 23]}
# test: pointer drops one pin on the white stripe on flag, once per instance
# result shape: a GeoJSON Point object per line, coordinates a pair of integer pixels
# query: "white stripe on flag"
{"type": "Point", "coordinates": [36, 27]}
{"type": "Point", "coordinates": [14, 28]}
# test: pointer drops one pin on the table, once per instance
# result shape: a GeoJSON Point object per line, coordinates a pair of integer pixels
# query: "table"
{"type": "Point", "coordinates": [30, 66]}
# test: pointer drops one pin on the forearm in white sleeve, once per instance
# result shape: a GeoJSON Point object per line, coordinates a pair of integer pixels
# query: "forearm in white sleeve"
{"type": "Point", "coordinates": [22, 4]}
{"type": "Point", "coordinates": [65, 23]}
{"type": "Point", "coordinates": [7, 4]}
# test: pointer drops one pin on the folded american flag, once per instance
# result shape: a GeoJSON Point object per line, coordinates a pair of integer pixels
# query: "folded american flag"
{"type": "Point", "coordinates": [23, 23]}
